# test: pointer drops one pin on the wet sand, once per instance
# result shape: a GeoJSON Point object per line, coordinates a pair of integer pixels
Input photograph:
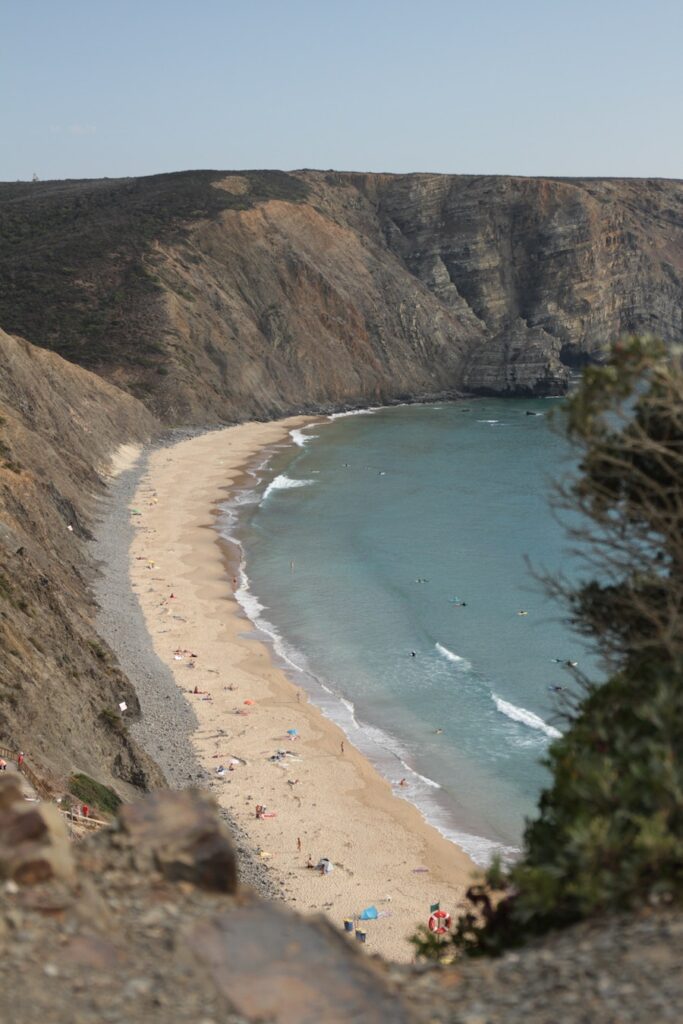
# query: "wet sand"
{"type": "Point", "coordinates": [321, 800]}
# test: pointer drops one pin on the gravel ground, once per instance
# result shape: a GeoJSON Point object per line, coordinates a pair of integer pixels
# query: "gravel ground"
{"type": "Point", "coordinates": [167, 721]}
{"type": "Point", "coordinates": [618, 970]}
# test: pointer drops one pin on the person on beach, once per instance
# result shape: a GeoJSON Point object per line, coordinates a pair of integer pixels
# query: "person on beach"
{"type": "Point", "coordinates": [403, 782]}
{"type": "Point", "coordinates": [298, 844]}
{"type": "Point", "coordinates": [309, 862]}
{"type": "Point", "coordinates": [342, 746]}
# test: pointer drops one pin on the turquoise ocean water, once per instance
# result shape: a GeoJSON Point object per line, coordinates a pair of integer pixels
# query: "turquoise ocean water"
{"type": "Point", "coordinates": [403, 530]}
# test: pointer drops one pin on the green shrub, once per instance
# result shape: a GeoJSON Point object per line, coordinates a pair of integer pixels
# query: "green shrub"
{"type": "Point", "coordinates": [609, 830]}
{"type": "Point", "coordinates": [93, 793]}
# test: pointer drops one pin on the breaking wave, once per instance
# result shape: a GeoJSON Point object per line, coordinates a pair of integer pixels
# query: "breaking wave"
{"type": "Point", "coordinates": [525, 717]}
{"type": "Point", "coordinates": [461, 662]}
{"type": "Point", "coordinates": [299, 438]}
{"type": "Point", "coordinates": [284, 483]}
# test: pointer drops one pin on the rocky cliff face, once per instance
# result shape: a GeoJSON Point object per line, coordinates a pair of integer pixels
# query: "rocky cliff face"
{"type": "Point", "coordinates": [551, 268]}
{"type": "Point", "coordinates": [217, 296]}
{"type": "Point", "coordinates": [59, 684]}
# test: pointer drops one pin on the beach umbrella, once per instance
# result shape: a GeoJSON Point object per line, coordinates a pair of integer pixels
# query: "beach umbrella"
{"type": "Point", "coordinates": [291, 732]}
{"type": "Point", "coordinates": [369, 914]}
{"type": "Point", "coordinates": [249, 701]}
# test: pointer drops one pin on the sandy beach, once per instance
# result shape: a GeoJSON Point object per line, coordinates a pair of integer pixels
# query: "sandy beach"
{"type": "Point", "coordinates": [322, 798]}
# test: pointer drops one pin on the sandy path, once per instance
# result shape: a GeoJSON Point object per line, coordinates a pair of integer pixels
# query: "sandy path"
{"type": "Point", "coordinates": [333, 802]}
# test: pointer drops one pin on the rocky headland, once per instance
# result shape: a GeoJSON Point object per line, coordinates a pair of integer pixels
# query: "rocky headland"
{"type": "Point", "coordinates": [216, 296]}
{"type": "Point", "coordinates": [212, 297]}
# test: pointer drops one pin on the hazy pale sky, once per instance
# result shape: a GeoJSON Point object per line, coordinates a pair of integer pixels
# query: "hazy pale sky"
{"type": "Point", "coordinates": [128, 87]}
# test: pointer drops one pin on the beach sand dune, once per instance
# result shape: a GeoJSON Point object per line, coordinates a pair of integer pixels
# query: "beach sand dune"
{"type": "Point", "coordinates": [320, 800]}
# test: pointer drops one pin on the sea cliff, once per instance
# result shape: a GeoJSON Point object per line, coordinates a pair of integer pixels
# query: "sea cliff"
{"type": "Point", "coordinates": [216, 296]}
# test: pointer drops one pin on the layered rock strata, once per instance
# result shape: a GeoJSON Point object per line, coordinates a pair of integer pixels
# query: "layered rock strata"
{"type": "Point", "coordinates": [218, 297]}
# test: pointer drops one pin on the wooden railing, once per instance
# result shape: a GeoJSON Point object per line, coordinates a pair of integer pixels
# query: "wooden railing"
{"type": "Point", "coordinates": [40, 787]}
{"type": "Point", "coordinates": [85, 822]}
{"type": "Point", "coordinates": [43, 791]}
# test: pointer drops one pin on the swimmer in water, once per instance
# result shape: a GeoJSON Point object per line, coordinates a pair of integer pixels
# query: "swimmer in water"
{"type": "Point", "coordinates": [413, 654]}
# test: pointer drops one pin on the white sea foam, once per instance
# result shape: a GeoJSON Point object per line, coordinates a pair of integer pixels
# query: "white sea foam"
{"type": "Point", "coordinates": [385, 750]}
{"type": "Point", "coordinates": [392, 747]}
{"type": "Point", "coordinates": [461, 662]}
{"type": "Point", "coordinates": [350, 707]}
{"type": "Point", "coordinates": [284, 483]}
{"type": "Point", "coordinates": [422, 792]}
{"type": "Point", "coordinates": [354, 412]}
{"type": "Point", "coordinates": [525, 717]}
{"type": "Point", "coordinates": [491, 422]}
{"type": "Point", "coordinates": [299, 438]}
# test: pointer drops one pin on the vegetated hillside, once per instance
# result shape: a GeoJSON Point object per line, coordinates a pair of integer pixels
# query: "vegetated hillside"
{"type": "Point", "coordinates": [59, 684]}
{"type": "Point", "coordinates": [217, 296]}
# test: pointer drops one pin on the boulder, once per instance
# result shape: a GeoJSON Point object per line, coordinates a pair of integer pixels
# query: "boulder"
{"type": "Point", "coordinates": [181, 834]}
{"type": "Point", "coordinates": [34, 844]}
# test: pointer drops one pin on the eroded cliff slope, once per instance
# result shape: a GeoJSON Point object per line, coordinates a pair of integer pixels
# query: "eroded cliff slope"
{"type": "Point", "coordinates": [216, 296]}
{"type": "Point", "coordinates": [59, 684]}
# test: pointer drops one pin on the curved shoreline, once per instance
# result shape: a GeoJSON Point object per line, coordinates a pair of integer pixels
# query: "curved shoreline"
{"type": "Point", "coordinates": [328, 801]}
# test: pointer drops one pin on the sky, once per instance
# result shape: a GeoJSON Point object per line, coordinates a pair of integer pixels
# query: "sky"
{"type": "Point", "coordinates": [132, 87]}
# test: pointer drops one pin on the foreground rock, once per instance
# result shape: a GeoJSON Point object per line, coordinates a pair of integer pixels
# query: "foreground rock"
{"type": "Point", "coordinates": [34, 844]}
{"type": "Point", "coordinates": [147, 924]}
{"type": "Point", "coordinates": [621, 970]}
{"type": "Point", "coordinates": [154, 928]}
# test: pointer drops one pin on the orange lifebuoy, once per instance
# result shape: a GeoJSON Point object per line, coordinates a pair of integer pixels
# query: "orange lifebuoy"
{"type": "Point", "coordinates": [439, 922]}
